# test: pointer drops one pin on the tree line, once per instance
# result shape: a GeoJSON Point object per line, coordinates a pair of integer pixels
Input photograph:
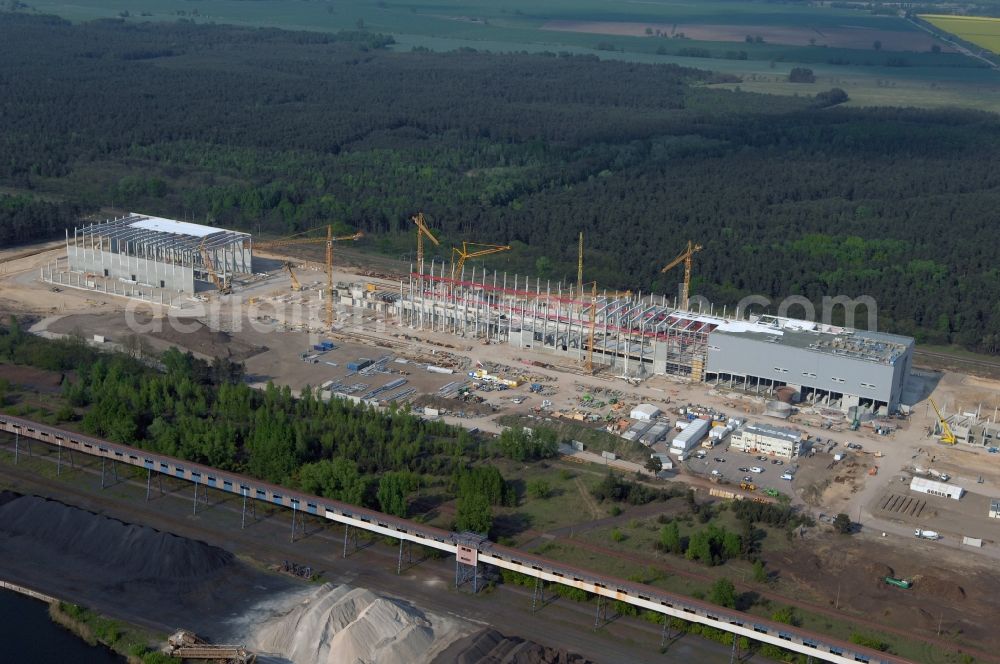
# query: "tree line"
{"type": "Point", "coordinates": [281, 131]}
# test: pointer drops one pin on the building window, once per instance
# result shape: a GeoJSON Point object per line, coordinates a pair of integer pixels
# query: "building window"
{"type": "Point", "coordinates": [162, 284]}
{"type": "Point", "coordinates": [105, 272]}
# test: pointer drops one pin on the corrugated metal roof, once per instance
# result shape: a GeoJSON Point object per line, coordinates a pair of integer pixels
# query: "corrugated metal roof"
{"type": "Point", "coordinates": [923, 484]}
{"type": "Point", "coordinates": [161, 225]}
{"type": "Point", "coordinates": [647, 409]}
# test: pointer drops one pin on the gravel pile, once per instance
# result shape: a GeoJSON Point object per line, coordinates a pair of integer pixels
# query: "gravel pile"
{"type": "Point", "coordinates": [491, 647]}
{"type": "Point", "coordinates": [135, 553]}
{"type": "Point", "coordinates": [341, 624]}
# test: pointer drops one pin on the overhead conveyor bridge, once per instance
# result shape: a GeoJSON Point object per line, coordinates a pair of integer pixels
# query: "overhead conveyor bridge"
{"type": "Point", "coordinates": [467, 550]}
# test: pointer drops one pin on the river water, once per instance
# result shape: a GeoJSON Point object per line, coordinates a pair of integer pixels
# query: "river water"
{"type": "Point", "coordinates": [28, 636]}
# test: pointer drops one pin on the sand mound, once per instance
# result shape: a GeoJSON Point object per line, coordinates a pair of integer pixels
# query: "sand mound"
{"type": "Point", "coordinates": [490, 646]}
{"type": "Point", "coordinates": [134, 552]}
{"type": "Point", "coordinates": [344, 625]}
{"type": "Point", "coordinates": [939, 588]}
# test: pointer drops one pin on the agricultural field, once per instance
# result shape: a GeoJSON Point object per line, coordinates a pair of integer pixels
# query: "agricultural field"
{"type": "Point", "coordinates": [979, 30]}
{"type": "Point", "coordinates": [873, 52]}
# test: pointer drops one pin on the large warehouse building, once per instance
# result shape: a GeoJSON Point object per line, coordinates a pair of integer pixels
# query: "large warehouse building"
{"type": "Point", "coordinates": [157, 252]}
{"type": "Point", "coordinates": [836, 367]}
{"type": "Point", "coordinates": [824, 364]}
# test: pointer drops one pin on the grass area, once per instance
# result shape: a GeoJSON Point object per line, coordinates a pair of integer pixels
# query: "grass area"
{"type": "Point", "coordinates": [957, 352]}
{"type": "Point", "coordinates": [135, 643]}
{"type": "Point", "coordinates": [979, 30]}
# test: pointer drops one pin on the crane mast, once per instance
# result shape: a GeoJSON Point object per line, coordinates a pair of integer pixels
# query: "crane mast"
{"type": "Point", "coordinates": [684, 257]}
{"type": "Point", "coordinates": [297, 240]}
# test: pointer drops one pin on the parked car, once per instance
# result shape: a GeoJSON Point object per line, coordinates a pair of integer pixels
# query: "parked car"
{"type": "Point", "coordinates": [744, 469]}
{"type": "Point", "coordinates": [787, 476]}
{"type": "Point", "coordinates": [762, 458]}
{"type": "Point", "coordinates": [715, 471]}
{"type": "Point", "coordinates": [719, 460]}
{"type": "Point", "coordinates": [756, 469]}
{"type": "Point", "coordinates": [748, 479]}
{"type": "Point", "coordinates": [778, 462]}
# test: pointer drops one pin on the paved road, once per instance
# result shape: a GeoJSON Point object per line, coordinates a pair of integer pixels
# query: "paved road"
{"type": "Point", "coordinates": [427, 584]}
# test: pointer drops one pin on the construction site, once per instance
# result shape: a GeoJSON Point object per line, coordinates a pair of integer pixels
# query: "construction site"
{"type": "Point", "coordinates": [461, 341]}
{"type": "Point", "coordinates": [629, 335]}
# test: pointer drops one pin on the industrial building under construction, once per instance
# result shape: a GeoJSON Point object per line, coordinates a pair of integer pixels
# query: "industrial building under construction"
{"type": "Point", "coordinates": [154, 252]}
{"type": "Point", "coordinates": [634, 336]}
{"type": "Point", "coordinates": [639, 336]}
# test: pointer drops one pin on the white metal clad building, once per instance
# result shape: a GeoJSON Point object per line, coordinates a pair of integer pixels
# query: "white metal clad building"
{"type": "Point", "coordinates": [645, 412]}
{"type": "Point", "coordinates": [935, 488]}
{"type": "Point", "coordinates": [158, 252]}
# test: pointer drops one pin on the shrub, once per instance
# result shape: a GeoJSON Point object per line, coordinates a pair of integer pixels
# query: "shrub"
{"type": "Point", "coordinates": [842, 523]}
{"type": "Point", "coordinates": [869, 641]}
{"type": "Point", "coordinates": [539, 489]}
{"type": "Point", "coordinates": [801, 75]}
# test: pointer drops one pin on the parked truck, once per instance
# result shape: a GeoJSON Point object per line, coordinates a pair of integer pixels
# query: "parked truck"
{"type": "Point", "coordinates": [926, 534]}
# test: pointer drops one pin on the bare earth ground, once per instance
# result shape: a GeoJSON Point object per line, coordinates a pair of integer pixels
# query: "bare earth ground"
{"type": "Point", "coordinates": [838, 37]}
{"type": "Point", "coordinates": [957, 591]}
{"type": "Point", "coordinates": [811, 568]}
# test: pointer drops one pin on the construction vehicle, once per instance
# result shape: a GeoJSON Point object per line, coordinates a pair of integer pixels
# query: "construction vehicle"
{"type": "Point", "coordinates": [296, 286]}
{"type": "Point", "coordinates": [221, 285]}
{"type": "Point", "coordinates": [947, 436]}
{"type": "Point", "coordinates": [684, 257]}
{"type": "Point", "coordinates": [905, 584]}
{"type": "Point", "coordinates": [297, 239]}
{"type": "Point", "coordinates": [748, 486]}
{"type": "Point", "coordinates": [464, 254]}
{"type": "Point", "coordinates": [422, 230]}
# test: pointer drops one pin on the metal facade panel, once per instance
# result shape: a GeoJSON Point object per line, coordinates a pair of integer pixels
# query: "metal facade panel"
{"type": "Point", "coordinates": [748, 355]}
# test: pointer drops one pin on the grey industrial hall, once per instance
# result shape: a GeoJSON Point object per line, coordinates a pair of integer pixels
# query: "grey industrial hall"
{"type": "Point", "coordinates": [157, 252]}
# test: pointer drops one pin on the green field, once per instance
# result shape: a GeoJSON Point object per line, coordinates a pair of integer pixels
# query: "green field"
{"type": "Point", "coordinates": [979, 30]}
{"type": "Point", "coordinates": [838, 44]}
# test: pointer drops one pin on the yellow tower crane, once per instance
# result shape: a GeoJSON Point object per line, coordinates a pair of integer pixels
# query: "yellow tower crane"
{"type": "Point", "coordinates": [206, 259]}
{"type": "Point", "coordinates": [297, 239]}
{"type": "Point", "coordinates": [947, 435]}
{"type": "Point", "coordinates": [422, 230]}
{"type": "Point", "coordinates": [579, 268]}
{"type": "Point", "coordinates": [685, 257]}
{"type": "Point", "coordinates": [593, 320]}
{"type": "Point", "coordinates": [464, 254]}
